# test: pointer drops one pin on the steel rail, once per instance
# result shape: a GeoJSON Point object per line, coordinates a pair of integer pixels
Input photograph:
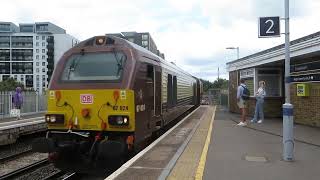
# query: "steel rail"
{"type": "Point", "coordinates": [19, 172]}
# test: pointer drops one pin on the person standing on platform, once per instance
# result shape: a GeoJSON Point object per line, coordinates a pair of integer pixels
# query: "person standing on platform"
{"type": "Point", "coordinates": [243, 95]}
{"type": "Point", "coordinates": [258, 113]}
{"type": "Point", "coordinates": [18, 101]}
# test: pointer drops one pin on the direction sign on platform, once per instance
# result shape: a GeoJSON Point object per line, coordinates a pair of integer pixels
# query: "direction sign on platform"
{"type": "Point", "coordinates": [269, 26]}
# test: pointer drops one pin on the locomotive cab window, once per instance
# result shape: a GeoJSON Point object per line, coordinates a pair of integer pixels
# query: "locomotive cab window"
{"type": "Point", "coordinates": [94, 67]}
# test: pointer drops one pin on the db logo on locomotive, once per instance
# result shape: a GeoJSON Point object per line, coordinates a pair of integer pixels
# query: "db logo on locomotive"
{"type": "Point", "coordinates": [86, 98]}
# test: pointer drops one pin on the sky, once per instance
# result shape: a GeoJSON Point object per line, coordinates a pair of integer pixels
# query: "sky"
{"type": "Point", "coordinates": [192, 33]}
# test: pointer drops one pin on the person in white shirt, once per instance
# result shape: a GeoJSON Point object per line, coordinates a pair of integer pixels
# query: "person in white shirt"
{"type": "Point", "coordinates": [261, 93]}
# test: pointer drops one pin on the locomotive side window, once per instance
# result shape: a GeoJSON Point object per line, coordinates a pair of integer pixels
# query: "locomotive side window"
{"type": "Point", "coordinates": [150, 71]}
{"type": "Point", "coordinates": [94, 67]}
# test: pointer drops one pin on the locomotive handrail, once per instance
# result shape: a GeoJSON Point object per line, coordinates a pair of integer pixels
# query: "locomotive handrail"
{"type": "Point", "coordinates": [69, 131]}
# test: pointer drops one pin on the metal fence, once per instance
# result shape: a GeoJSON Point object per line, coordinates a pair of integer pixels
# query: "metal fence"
{"type": "Point", "coordinates": [217, 97]}
{"type": "Point", "coordinates": [32, 103]}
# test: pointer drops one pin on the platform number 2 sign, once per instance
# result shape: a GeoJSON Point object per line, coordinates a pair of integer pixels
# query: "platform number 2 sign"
{"type": "Point", "coordinates": [269, 27]}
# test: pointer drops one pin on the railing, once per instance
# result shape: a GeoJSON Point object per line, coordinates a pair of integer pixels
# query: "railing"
{"type": "Point", "coordinates": [32, 103]}
{"type": "Point", "coordinates": [216, 97]}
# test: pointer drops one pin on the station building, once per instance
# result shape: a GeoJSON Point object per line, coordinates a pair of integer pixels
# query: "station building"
{"type": "Point", "coordinates": [268, 65]}
{"type": "Point", "coordinates": [29, 52]}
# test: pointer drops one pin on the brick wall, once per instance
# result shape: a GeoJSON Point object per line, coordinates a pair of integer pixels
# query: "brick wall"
{"type": "Point", "coordinates": [306, 109]}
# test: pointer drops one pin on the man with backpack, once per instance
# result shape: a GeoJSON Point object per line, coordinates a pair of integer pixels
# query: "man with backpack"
{"type": "Point", "coordinates": [243, 95]}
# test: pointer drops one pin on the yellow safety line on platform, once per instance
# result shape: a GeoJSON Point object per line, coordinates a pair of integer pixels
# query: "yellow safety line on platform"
{"type": "Point", "coordinates": [202, 162]}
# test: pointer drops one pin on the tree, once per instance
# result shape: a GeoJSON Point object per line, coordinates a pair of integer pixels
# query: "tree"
{"type": "Point", "coordinates": [217, 84]}
{"type": "Point", "coordinates": [10, 85]}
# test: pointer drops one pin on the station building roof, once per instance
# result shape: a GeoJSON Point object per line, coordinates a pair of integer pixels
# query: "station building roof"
{"type": "Point", "coordinates": [300, 47]}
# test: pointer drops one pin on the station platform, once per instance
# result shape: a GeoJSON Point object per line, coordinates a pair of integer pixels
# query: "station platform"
{"type": "Point", "coordinates": [176, 154]}
{"type": "Point", "coordinates": [209, 145]}
{"type": "Point", "coordinates": [255, 151]}
{"type": "Point", "coordinates": [11, 128]}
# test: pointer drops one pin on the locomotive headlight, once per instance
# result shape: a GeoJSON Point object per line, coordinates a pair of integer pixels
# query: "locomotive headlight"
{"type": "Point", "coordinates": [52, 119]}
{"type": "Point", "coordinates": [47, 118]}
{"type": "Point", "coordinates": [125, 120]}
{"type": "Point", "coordinates": [55, 118]}
{"type": "Point", "coordinates": [118, 120]}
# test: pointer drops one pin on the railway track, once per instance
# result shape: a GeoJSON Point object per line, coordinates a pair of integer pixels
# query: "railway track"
{"type": "Point", "coordinates": [43, 169]}
{"type": "Point", "coordinates": [15, 155]}
{"type": "Point", "coordinates": [22, 171]}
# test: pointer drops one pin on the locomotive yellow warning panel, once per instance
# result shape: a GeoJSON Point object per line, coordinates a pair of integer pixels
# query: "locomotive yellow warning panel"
{"type": "Point", "coordinates": [96, 110]}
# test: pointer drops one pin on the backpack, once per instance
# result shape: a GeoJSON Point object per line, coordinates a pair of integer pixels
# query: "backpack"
{"type": "Point", "coordinates": [245, 93]}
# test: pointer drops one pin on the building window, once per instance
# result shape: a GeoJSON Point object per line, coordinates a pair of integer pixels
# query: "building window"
{"type": "Point", "coordinates": [43, 57]}
{"type": "Point", "coordinates": [145, 37]}
{"type": "Point", "coordinates": [37, 50]}
{"type": "Point", "coordinates": [4, 27]}
{"type": "Point", "coordinates": [37, 56]}
{"type": "Point", "coordinates": [21, 78]}
{"type": "Point", "coordinates": [37, 70]}
{"type": "Point", "coordinates": [248, 76]}
{"type": "Point", "coordinates": [37, 43]}
{"type": "Point", "coordinates": [37, 37]}
{"type": "Point", "coordinates": [22, 68]}
{"type": "Point", "coordinates": [43, 44]}
{"type": "Point", "coordinates": [43, 63]}
{"type": "Point", "coordinates": [144, 43]}
{"type": "Point", "coordinates": [131, 39]}
{"type": "Point", "coordinates": [4, 54]}
{"type": "Point", "coordinates": [272, 79]}
{"type": "Point", "coordinates": [43, 38]}
{"type": "Point", "coordinates": [29, 80]}
{"type": "Point", "coordinates": [43, 50]}
{"type": "Point", "coordinates": [43, 70]}
{"type": "Point", "coordinates": [26, 28]}
{"type": "Point", "coordinates": [42, 27]}
{"type": "Point", "coordinates": [37, 63]}
{"type": "Point", "coordinates": [5, 77]}
{"type": "Point", "coordinates": [37, 77]}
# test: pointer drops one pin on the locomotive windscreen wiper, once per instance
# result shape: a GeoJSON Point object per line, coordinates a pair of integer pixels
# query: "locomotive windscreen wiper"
{"type": "Point", "coordinates": [73, 66]}
{"type": "Point", "coordinates": [119, 61]}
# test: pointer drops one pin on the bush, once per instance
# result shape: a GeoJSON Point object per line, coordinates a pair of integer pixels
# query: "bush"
{"type": "Point", "coordinates": [10, 85]}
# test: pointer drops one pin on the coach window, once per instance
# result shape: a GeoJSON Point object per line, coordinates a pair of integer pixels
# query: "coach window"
{"type": "Point", "coordinates": [169, 90]}
{"type": "Point", "coordinates": [174, 90]}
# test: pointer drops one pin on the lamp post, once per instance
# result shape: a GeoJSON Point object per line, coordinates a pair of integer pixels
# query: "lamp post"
{"type": "Point", "coordinates": [288, 139]}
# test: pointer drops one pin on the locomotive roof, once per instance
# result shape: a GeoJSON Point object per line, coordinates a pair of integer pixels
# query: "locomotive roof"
{"type": "Point", "coordinates": [121, 41]}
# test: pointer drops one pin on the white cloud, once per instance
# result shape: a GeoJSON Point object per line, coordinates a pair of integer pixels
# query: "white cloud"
{"type": "Point", "coordinates": [185, 30]}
